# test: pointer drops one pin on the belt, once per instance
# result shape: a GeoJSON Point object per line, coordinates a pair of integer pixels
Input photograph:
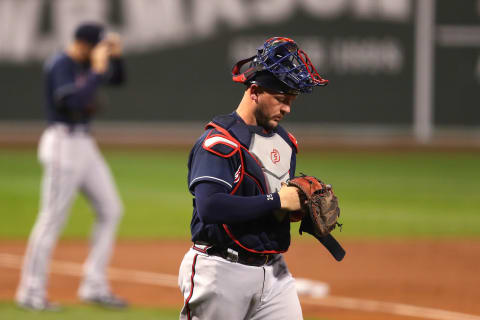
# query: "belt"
{"type": "Point", "coordinates": [71, 127]}
{"type": "Point", "coordinates": [242, 257]}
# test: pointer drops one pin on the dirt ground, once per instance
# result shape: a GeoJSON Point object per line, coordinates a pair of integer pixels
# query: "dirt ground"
{"type": "Point", "coordinates": [433, 274]}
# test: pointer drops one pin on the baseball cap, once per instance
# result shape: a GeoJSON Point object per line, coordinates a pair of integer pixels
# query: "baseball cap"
{"type": "Point", "coordinates": [91, 33]}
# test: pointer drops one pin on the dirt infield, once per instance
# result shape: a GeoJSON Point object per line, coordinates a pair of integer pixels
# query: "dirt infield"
{"type": "Point", "coordinates": [377, 279]}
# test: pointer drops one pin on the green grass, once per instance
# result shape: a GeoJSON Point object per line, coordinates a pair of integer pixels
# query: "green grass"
{"type": "Point", "coordinates": [9, 311]}
{"type": "Point", "coordinates": [402, 194]}
{"type": "Point", "coordinates": [152, 186]}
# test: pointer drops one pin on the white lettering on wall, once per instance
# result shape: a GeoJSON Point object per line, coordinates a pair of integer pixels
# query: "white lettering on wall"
{"type": "Point", "coordinates": [154, 23]}
{"type": "Point", "coordinates": [371, 56]}
{"type": "Point", "coordinates": [206, 15]}
{"type": "Point", "coordinates": [160, 23]}
{"type": "Point", "coordinates": [391, 10]}
{"type": "Point", "coordinates": [272, 11]}
{"type": "Point", "coordinates": [18, 36]}
{"type": "Point", "coordinates": [69, 13]}
{"type": "Point", "coordinates": [395, 10]}
{"type": "Point", "coordinates": [325, 8]}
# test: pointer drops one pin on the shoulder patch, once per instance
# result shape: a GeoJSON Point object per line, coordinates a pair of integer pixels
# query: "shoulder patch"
{"type": "Point", "coordinates": [220, 144]}
{"type": "Point", "coordinates": [293, 140]}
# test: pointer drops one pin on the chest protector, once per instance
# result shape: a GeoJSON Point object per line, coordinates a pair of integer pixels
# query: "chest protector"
{"type": "Point", "coordinates": [274, 154]}
{"type": "Point", "coordinates": [263, 163]}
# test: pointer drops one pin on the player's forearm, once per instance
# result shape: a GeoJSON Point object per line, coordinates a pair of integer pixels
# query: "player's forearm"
{"type": "Point", "coordinates": [214, 205]}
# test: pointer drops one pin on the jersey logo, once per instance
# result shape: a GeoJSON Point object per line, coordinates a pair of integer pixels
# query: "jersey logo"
{"type": "Point", "coordinates": [275, 156]}
{"type": "Point", "coordinates": [237, 174]}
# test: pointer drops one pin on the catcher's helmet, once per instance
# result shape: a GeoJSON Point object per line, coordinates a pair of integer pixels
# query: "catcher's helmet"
{"type": "Point", "coordinates": [281, 66]}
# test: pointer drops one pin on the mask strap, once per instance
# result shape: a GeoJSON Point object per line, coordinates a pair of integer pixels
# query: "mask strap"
{"type": "Point", "coordinates": [243, 77]}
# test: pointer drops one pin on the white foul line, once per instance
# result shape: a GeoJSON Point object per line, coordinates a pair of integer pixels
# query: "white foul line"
{"type": "Point", "coordinates": [388, 307]}
{"type": "Point", "coordinates": [75, 269]}
{"type": "Point", "coordinates": [166, 280]}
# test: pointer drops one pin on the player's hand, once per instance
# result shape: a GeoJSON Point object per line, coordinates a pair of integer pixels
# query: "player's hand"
{"type": "Point", "coordinates": [289, 198]}
{"type": "Point", "coordinates": [115, 44]}
{"type": "Point", "coordinates": [99, 57]}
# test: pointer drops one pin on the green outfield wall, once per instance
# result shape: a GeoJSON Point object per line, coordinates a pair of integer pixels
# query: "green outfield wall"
{"type": "Point", "coordinates": [179, 56]}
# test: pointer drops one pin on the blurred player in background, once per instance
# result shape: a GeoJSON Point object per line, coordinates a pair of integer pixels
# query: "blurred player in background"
{"type": "Point", "coordinates": [242, 207]}
{"type": "Point", "coordinates": [72, 162]}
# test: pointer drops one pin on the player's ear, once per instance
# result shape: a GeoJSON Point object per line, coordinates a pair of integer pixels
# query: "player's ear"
{"type": "Point", "coordinates": [254, 92]}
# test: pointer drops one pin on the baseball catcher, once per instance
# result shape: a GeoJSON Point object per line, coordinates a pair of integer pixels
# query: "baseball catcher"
{"type": "Point", "coordinates": [319, 213]}
{"type": "Point", "coordinates": [237, 172]}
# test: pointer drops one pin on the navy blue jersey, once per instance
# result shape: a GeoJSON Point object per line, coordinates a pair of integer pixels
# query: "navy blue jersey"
{"type": "Point", "coordinates": [71, 88]}
{"type": "Point", "coordinates": [221, 156]}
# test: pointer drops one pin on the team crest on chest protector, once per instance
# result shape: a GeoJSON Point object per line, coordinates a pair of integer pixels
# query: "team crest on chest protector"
{"type": "Point", "coordinates": [274, 154]}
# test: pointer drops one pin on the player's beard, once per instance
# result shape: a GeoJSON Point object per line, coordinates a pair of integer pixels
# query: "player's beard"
{"type": "Point", "coordinates": [263, 120]}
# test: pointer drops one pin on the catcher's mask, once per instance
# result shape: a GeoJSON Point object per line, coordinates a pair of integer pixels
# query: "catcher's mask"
{"type": "Point", "coordinates": [281, 66]}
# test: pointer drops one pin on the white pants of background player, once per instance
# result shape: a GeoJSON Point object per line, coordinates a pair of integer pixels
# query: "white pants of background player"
{"type": "Point", "coordinates": [71, 162]}
{"type": "Point", "coordinates": [217, 289]}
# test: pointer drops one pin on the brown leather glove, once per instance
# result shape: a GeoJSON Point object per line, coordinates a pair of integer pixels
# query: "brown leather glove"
{"type": "Point", "coordinates": [319, 203]}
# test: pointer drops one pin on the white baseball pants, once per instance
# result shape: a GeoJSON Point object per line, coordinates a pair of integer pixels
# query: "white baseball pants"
{"type": "Point", "coordinates": [71, 162]}
{"type": "Point", "coordinates": [217, 289]}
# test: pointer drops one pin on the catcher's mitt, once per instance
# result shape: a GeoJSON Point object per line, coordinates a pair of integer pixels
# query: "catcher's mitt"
{"type": "Point", "coordinates": [319, 204]}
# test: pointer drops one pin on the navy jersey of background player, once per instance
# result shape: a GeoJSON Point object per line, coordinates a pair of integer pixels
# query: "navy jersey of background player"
{"type": "Point", "coordinates": [71, 88]}
{"type": "Point", "coordinates": [222, 164]}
